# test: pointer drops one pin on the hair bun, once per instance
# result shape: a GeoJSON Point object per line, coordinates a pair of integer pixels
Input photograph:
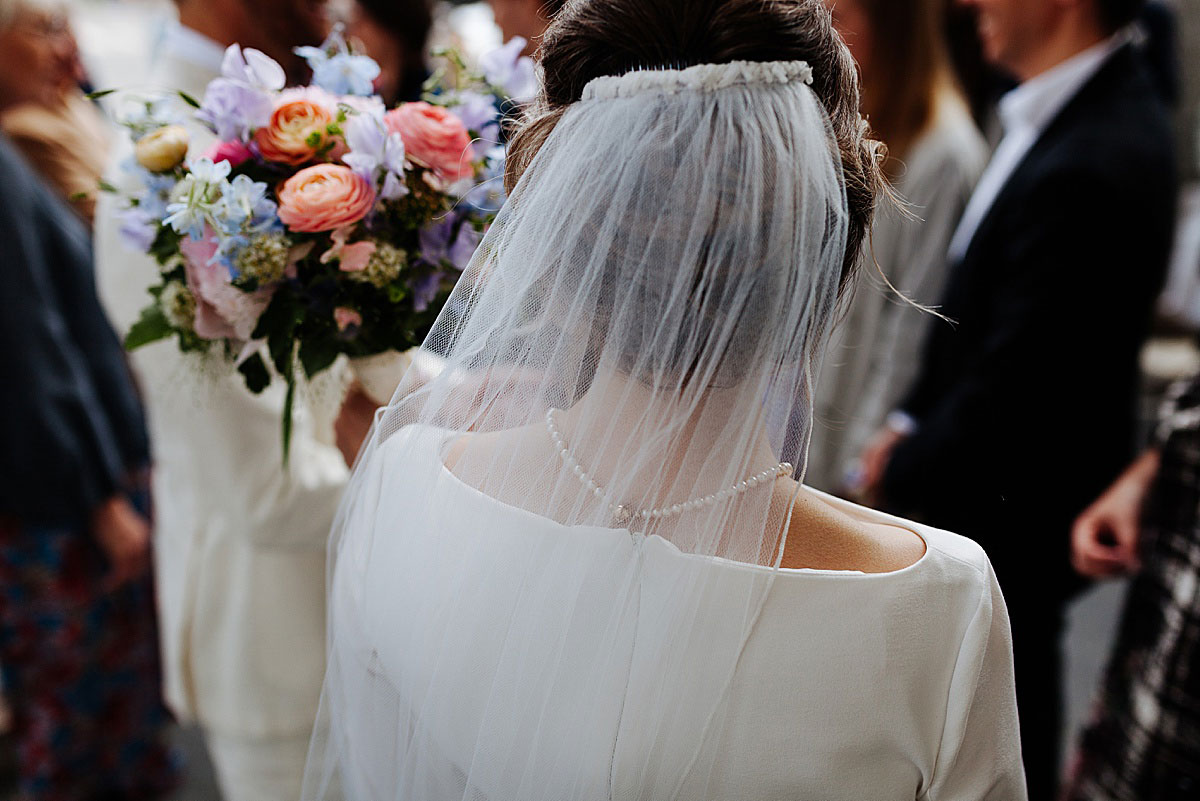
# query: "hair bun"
{"type": "Point", "coordinates": [700, 78]}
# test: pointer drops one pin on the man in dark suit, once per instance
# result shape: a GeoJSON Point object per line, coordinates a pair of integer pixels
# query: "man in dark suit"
{"type": "Point", "coordinates": [1024, 409]}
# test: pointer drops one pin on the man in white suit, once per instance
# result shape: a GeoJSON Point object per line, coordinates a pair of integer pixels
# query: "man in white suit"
{"type": "Point", "coordinates": [240, 541]}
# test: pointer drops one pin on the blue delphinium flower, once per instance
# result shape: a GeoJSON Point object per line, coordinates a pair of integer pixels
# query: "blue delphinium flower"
{"type": "Point", "coordinates": [244, 205]}
{"type": "Point", "coordinates": [338, 71]}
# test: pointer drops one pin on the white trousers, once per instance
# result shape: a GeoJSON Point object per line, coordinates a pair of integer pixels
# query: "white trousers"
{"type": "Point", "coordinates": [258, 769]}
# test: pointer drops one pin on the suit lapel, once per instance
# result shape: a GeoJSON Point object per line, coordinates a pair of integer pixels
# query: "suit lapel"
{"type": "Point", "coordinates": [1099, 87]}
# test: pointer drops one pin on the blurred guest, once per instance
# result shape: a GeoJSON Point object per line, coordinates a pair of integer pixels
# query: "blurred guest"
{"type": "Point", "coordinates": [66, 138]}
{"type": "Point", "coordinates": [395, 34]}
{"type": "Point", "coordinates": [1024, 410]}
{"type": "Point", "coordinates": [240, 550]}
{"type": "Point", "coordinates": [981, 82]}
{"type": "Point", "coordinates": [1144, 742]}
{"type": "Point", "coordinates": [935, 156]}
{"type": "Point", "coordinates": [525, 18]}
{"type": "Point", "coordinates": [77, 631]}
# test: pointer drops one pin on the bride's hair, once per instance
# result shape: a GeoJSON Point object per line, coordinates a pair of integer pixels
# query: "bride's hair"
{"type": "Point", "coordinates": [593, 38]}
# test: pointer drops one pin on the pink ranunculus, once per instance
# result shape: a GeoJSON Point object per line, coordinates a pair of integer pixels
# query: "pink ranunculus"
{"type": "Point", "coordinates": [434, 138]}
{"type": "Point", "coordinates": [345, 317]}
{"type": "Point", "coordinates": [222, 310]}
{"type": "Point", "coordinates": [324, 197]}
{"type": "Point", "coordinates": [234, 152]}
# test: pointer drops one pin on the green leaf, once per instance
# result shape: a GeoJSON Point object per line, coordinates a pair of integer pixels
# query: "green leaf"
{"type": "Point", "coordinates": [78, 196]}
{"type": "Point", "coordinates": [396, 293]}
{"type": "Point", "coordinates": [254, 370]}
{"type": "Point", "coordinates": [317, 354]}
{"type": "Point", "coordinates": [150, 327]}
{"type": "Point", "coordinates": [191, 101]}
{"type": "Point", "coordinates": [166, 244]}
{"type": "Point", "coordinates": [277, 318]}
{"type": "Point", "coordinates": [314, 139]}
{"type": "Point", "coordinates": [282, 348]}
{"type": "Point", "coordinates": [105, 186]}
{"type": "Point", "coordinates": [99, 94]}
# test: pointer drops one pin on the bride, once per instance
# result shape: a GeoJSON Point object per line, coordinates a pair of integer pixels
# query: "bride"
{"type": "Point", "coordinates": [579, 563]}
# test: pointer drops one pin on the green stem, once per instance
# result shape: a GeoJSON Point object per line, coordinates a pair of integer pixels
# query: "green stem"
{"type": "Point", "coordinates": [288, 403]}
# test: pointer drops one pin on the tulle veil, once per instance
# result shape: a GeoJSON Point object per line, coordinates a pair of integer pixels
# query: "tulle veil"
{"type": "Point", "coordinates": [525, 574]}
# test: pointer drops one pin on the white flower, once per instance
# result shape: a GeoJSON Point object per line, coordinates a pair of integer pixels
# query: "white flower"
{"type": "Point", "coordinates": [178, 305]}
{"type": "Point", "coordinates": [264, 259]}
{"type": "Point", "coordinates": [196, 196]}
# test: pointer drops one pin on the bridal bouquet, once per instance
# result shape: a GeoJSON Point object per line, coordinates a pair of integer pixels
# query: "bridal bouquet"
{"type": "Point", "coordinates": [319, 222]}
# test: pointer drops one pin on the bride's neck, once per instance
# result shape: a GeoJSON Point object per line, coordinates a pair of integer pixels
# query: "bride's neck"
{"type": "Point", "coordinates": [686, 427]}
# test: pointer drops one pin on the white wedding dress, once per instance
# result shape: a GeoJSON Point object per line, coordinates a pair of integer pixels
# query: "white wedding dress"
{"type": "Point", "coordinates": [851, 686]}
{"type": "Point", "coordinates": [588, 607]}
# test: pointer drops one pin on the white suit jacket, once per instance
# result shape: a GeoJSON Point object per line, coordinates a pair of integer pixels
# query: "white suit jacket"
{"type": "Point", "coordinates": [240, 542]}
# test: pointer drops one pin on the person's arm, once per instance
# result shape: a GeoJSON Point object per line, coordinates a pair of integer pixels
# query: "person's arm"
{"type": "Point", "coordinates": [61, 456]}
{"type": "Point", "coordinates": [1104, 539]}
{"type": "Point", "coordinates": [979, 758]}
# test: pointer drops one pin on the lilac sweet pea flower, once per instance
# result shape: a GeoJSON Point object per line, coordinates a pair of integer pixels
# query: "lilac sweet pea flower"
{"type": "Point", "coordinates": [374, 152]}
{"type": "Point", "coordinates": [425, 290]}
{"type": "Point", "coordinates": [437, 245]}
{"type": "Point", "coordinates": [507, 69]}
{"type": "Point", "coordinates": [478, 113]}
{"type": "Point", "coordinates": [254, 68]}
{"type": "Point", "coordinates": [138, 229]}
{"type": "Point", "coordinates": [242, 98]}
{"type": "Point", "coordinates": [475, 110]}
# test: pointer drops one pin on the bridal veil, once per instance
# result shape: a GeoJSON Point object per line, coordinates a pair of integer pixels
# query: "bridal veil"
{"type": "Point", "coordinates": [629, 356]}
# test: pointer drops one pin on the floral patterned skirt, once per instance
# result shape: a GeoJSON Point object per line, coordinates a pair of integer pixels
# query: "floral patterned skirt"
{"type": "Point", "coordinates": [81, 671]}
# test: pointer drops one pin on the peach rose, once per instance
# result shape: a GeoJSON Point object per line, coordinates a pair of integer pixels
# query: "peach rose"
{"type": "Point", "coordinates": [434, 138]}
{"type": "Point", "coordinates": [299, 120]}
{"type": "Point", "coordinates": [324, 197]}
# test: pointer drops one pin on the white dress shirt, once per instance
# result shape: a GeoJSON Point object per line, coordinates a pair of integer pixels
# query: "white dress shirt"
{"type": "Point", "coordinates": [1025, 113]}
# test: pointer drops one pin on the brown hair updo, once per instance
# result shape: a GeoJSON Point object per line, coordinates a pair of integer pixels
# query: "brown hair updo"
{"type": "Point", "coordinates": [592, 38]}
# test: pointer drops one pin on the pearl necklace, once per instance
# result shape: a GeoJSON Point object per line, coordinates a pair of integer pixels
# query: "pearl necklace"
{"type": "Point", "coordinates": [623, 515]}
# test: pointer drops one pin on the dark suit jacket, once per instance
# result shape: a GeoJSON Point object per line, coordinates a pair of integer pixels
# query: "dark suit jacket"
{"type": "Point", "coordinates": [71, 426]}
{"type": "Point", "coordinates": [1027, 404]}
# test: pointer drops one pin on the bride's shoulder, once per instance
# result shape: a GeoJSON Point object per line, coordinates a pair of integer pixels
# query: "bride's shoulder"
{"type": "Point", "coordinates": [830, 533]}
{"type": "Point", "coordinates": [516, 444]}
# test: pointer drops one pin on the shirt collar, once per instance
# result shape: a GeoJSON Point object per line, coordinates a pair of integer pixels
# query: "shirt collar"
{"type": "Point", "coordinates": [195, 48]}
{"type": "Point", "coordinates": [1038, 100]}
